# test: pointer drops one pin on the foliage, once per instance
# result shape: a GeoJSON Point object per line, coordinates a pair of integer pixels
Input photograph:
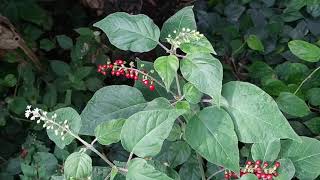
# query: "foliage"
{"type": "Point", "coordinates": [192, 117]}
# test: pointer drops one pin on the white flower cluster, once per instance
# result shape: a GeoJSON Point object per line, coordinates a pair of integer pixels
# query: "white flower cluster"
{"type": "Point", "coordinates": [38, 115]}
{"type": "Point", "coordinates": [184, 36]}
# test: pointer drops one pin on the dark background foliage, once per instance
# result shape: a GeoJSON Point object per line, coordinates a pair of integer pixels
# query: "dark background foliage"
{"type": "Point", "coordinates": [61, 35]}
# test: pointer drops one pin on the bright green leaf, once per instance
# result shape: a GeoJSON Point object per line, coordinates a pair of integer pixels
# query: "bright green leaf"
{"type": "Point", "coordinates": [74, 122]}
{"type": "Point", "coordinates": [204, 72]}
{"type": "Point", "coordinates": [255, 43]}
{"type": "Point", "coordinates": [266, 151]}
{"type": "Point", "coordinates": [198, 46]}
{"type": "Point", "coordinates": [111, 102]}
{"type": "Point", "coordinates": [191, 93]}
{"type": "Point", "coordinates": [109, 132]}
{"type": "Point", "coordinates": [292, 105]}
{"type": "Point", "coordinates": [136, 33]}
{"type": "Point", "coordinates": [139, 169]}
{"type": "Point", "coordinates": [255, 114]}
{"type": "Point", "coordinates": [167, 67]}
{"type": "Point", "coordinates": [304, 50]}
{"type": "Point", "coordinates": [211, 134]}
{"type": "Point", "coordinates": [78, 166]}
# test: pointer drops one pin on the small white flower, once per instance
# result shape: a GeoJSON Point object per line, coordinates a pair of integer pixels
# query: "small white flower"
{"type": "Point", "coordinates": [188, 30]}
{"type": "Point", "coordinates": [42, 118]}
{"type": "Point", "coordinates": [48, 127]}
{"type": "Point", "coordinates": [27, 113]}
{"type": "Point", "coordinates": [183, 29]}
{"type": "Point", "coordinates": [62, 138]}
{"type": "Point", "coordinates": [36, 111]}
{"type": "Point", "coordinates": [54, 116]}
{"type": "Point", "coordinates": [56, 132]}
{"type": "Point", "coordinates": [33, 118]}
{"type": "Point", "coordinates": [67, 126]}
{"type": "Point", "coordinates": [175, 31]}
{"type": "Point", "coordinates": [65, 121]}
{"type": "Point", "coordinates": [169, 36]}
{"type": "Point", "coordinates": [193, 31]}
{"type": "Point", "coordinates": [29, 107]}
{"type": "Point", "coordinates": [51, 127]}
{"type": "Point", "coordinates": [44, 125]}
{"type": "Point", "coordinates": [38, 121]}
{"type": "Point", "coordinates": [45, 113]}
{"type": "Point", "coordinates": [61, 133]}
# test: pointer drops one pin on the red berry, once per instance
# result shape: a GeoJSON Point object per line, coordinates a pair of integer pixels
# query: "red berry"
{"type": "Point", "coordinates": [119, 62]}
{"type": "Point", "coordinates": [269, 176]}
{"type": "Point", "coordinates": [118, 73]}
{"type": "Point", "coordinates": [128, 76]}
{"type": "Point", "coordinates": [258, 170]}
{"type": "Point", "coordinates": [258, 162]}
{"type": "Point", "coordinates": [145, 82]}
{"type": "Point", "coordinates": [226, 176]}
{"type": "Point", "coordinates": [112, 73]}
{"type": "Point", "coordinates": [265, 164]}
{"type": "Point", "coordinates": [249, 163]}
{"type": "Point", "coordinates": [99, 70]}
{"type": "Point", "coordinates": [132, 76]}
{"type": "Point", "coordinates": [136, 78]}
{"type": "Point", "coordinates": [104, 73]}
{"type": "Point", "coordinates": [258, 175]}
{"type": "Point", "coordinates": [104, 66]}
{"type": "Point", "coordinates": [151, 87]}
{"type": "Point", "coordinates": [275, 174]}
{"type": "Point", "coordinates": [110, 66]}
{"type": "Point", "coordinates": [121, 71]}
{"type": "Point", "coordinates": [263, 175]}
{"type": "Point", "coordinates": [23, 153]}
{"type": "Point", "coordinates": [277, 164]}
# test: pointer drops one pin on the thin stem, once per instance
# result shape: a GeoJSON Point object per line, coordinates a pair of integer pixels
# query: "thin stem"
{"type": "Point", "coordinates": [180, 56]}
{"type": "Point", "coordinates": [153, 79]}
{"type": "Point", "coordinates": [176, 101]}
{"type": "Point", "coordinates": [94, 141]}
{"type": "Point", "coordinates": [206, 100]}
{"type": "Point", "coordinates": [164, 47]}
{"type": "Point", "coordinates": [129, 159]}
{"type": "Point", "coordinates": [203, 176]}
{"type": "Point", "coordinates": [216, 173]}
{"type": "Point", "coordinates": [178, 85]}
{"type": "Point", "coordinates": [306, 79]}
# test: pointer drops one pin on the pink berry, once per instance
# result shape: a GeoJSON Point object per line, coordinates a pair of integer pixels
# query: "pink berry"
{"type": "Point", "coordinates": [269, 176]}
{"type": "Point", "coordinates": [265, 164]}
{"type": "Point", "coordinates": [112, 73]}
{"type": "Point", "coordinates": [118, 73]}
{"type": "Point", "coordinates": [258, 162]}
{"type": "Point", "coordinates": [151, 87]}
{"type": "Point", "coordinates": [249, 163]}
{"type": "Point", "coordinates": [145, 82]}
{"type": "Point", "coordinates": [128, 76]}
{"type": "Point", "coordinates": [136, 78]}
{"type": "Point", "coordinates": [277, 164]}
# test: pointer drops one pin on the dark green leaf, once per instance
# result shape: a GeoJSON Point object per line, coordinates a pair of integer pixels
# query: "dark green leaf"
{"type": "Point", "coordinates": [64, 41]}
{"type": "Point", "coordinates": [292, 105]}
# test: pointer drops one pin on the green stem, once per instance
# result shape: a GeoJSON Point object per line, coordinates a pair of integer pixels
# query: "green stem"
{"type": "Point", "coordinates": [306, 79]}
{"type": "Point", "coordinates": [214, 174]}
{"type": "Point", "coordinates": [203, 176]}
{"type": "Point", "coordinates": [178, 85]}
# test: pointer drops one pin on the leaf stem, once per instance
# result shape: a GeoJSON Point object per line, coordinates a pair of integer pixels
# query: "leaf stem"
{"type": "Point", "coordinates": [306, 79]}
{"type": "Point", "coordinates": [178, 86]}
{"type": "Point", "coordinates": [203, 176]}
{"type": "Point", "coordinates": [129, 159]}
{"type": "Point", "coordinates": [216, 173]}
{"type": "Point", "coordinates": [164, 47]}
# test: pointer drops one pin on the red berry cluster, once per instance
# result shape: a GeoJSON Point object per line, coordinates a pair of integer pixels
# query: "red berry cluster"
{"type": "Point", "coordinates": [264, 172]}
{"type": "Point", "coordinates": [118, 68]}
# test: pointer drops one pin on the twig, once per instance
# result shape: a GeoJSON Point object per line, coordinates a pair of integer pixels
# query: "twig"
{"type": "Point", "coordinates": [306, 79]}
{"type": "Point", "coordinates": [203, 176]}
{"type": "Point", "coordinates": [214, 174]}
{"type": "Point", "coordinates": [178, 85]}
{"type": "Point", "coordinates": [129, 159]}
{"type": "Point", "coordinates": [164, 47]}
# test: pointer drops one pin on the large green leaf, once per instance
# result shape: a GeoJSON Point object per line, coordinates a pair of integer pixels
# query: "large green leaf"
{"type": "Point", "coordinates": [304, 50]}
{"type": "Point", "coordinates": [266, 151]}
{"type": "Point", "coordinates": [136, 33]}
{"type": "Point", "coordinates": [305, 156]}
{"type": "Point", "coordinates": [286, 170]}
{"type": "Point", "coordinates": [109, 132]}
{"type": "Point", "coordinates": [144, 132]}
{"type": "Point", "coordinates": [182, 19]}
{"type": "Point", "coordinates": [78, 166]}
{"type": "Point", "coordinates": [167, 67]}
{"type": "Point", "coordinates": [292, 105]}
{"type": "Point", "coordinates": [211, 134]}
{"type": "Point", "coordinates": [204, 72]}
{"type": "Point", "coordinates": [139, 169]}
{"type": "Point", "coordinates": [255, 114]}
{"type": "Point", "coordinates": [174, 153]}
{"type": "Point", "coordinates": [201, 45]}
{"type": "Point", "coordinates": [255, 43]}
{"type": "Point", "coordinates": [73, 121]}
{"type": "Point", "coordinates": [191, 93]}
{"type": "Point", "coordinates": [112, 102]}
{"type": "Point", "coordinates": [191, 169]}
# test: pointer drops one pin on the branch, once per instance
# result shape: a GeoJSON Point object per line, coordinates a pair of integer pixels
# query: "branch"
{"type": "Point", "coordinates": [214, 174]}
{"type": "Point", "coordinates": [306, 79]}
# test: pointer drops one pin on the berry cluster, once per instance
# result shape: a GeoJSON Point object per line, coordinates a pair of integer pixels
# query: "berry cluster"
{"type": "Point", "coordinates": [264, 172]}
{"type": "Point", "coordinates": [118, 68]}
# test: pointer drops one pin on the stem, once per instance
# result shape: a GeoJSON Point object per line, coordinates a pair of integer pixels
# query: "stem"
{"type": "Point", "coordinates": [178, 85]}
{"type": "Point", "coordinates": [153, 79]}
{"type": "Point", "coordinates": [130, 157]}
{"type": "Point", "coordinates": [203, 176]}
{"type": "Point", "coordinates": [180, 56]}
{"type": "Point", "coordinates": [164, 47]}
{"type": "Point", "coordinates": [95, 140]}
{"type": "Point", "coordinates": [306, 79]}
{"type": "Point", "coordinates": [214, 174]}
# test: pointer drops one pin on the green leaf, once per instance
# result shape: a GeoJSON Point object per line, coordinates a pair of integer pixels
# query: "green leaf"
{"type": "Point", "coordinates": [191, 93]}
{"type": "Point", "coordinates": [109, 132]}
{"type": "Point", "coordinates": [211, 134]}
{"type": "Point", "coordinates": [249, 177]}
{"type": "Point", "coordinates": [64, 41]}
{"type": "Point", "coordinates": [140, 169]}
{"type": "Point", "coordinates": [305, 156]}
{"type": "Point", "coordinates": [83, 72]}
{"type": "Point", "coordinates": [47, 162]}
{"type": "Point", "coordinates": [164, 169]}
{"type": "Point", "coordinates": [100, 172]}
{"type": "Point", "coordinates": [255, 114]}
{"type": "Point", "coordinates": [313, 96]}
{"type": "Point", "coordinates": [204, 72]}
{"type": "Point", "coordinates": [266, 151]}
{"type": "Point", "coordinates": [51, 95]}
{"type": "Point", "coordinates": [166, 67]}
{"type": "Point", "coordinates": [190, 170]}
{"type": "Point", "coordinates": [304, 50]}
{"type": "Point", "coordinates": [18, 105]}
{"type": "Point", "coordinates": [198, 46]}
{"type": "Point", "coordinates": [111, 102]}
{"type": "Point", "coordinates": [60, 68]}
{"type": "Point", "coordinates": [175, 133]}
{"type": "Point", "coordinates": [78, 166]}
{"type": "Point", "coordinates": [314, 125]}
{"type": "Point", "coordinates": [144, 132]}
{"type": "Point", "coordinates": [313, 7]}
{"type": "Point", "coordinates": [255, 43]}
{"type": "Point", "coordinates": [286, 170]}
{"type": "Point", "coordinates": [292, 73]}
{"type": "Point", "coordinates": [174, 153]}
{"type": "Point", "coordinates": [74, 122]}
{"type": "Point", "coordinates": [136, 33]}
{"type": "Point", "coordinates": [184, 18]}
{"type": "Point", "coordinates": [46, 44]}
{"type": "Point", "coordinates": [292, 105]}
